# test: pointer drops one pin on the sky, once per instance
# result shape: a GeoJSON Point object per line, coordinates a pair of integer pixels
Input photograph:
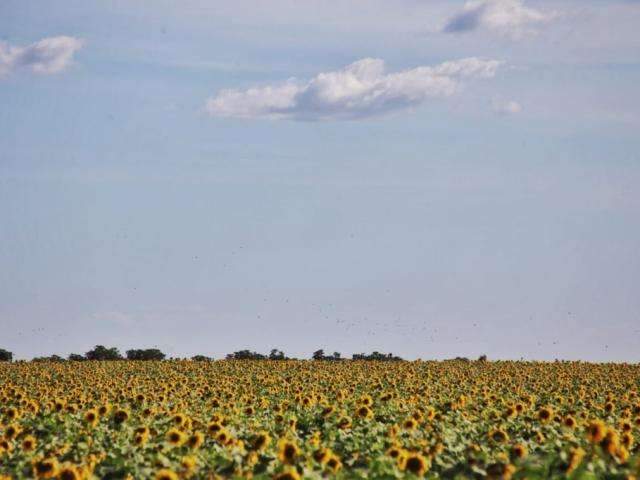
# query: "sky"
{"type": "Point", "coordinates": [428, 178]}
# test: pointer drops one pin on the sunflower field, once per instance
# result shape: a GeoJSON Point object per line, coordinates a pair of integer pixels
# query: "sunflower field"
{"type": "Point", "coordinates": [293, 419]}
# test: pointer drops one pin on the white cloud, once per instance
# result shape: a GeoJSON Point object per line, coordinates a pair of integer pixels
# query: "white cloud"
{"type": "Point", "coordinates": [505, 107]}
{"type": "Point", "coordinates": [359, 90]}
{"type": "Point", "coordinates": [47, 56]}
{"type": "Point", "coordinates": [507, 17]}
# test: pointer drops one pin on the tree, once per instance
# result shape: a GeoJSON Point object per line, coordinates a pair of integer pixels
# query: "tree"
{"type": "Point", "coordinates": [76, 357]}
{"type": "Point", "coordinates": [201, 358]}
{"type": "Point", "coordinates": [245, 355]}
{"type": "Point", "coordinates": [376, 356]}
{"type": "Point", "coordinates": [145, 354]}
{"type": "Point", "coordinates": [52, 358]}
{"type": "Point", "coordinates": [102, 353]}
{"type": "Point", "coordinates": [318, 355]}
{"type": "Point", "coordinates": [277, 355]}
{"type": "Point", "coordinates": [5, 355]}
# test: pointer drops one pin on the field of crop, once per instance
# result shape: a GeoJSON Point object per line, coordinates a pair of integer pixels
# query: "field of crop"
{"type": "Point", "coordinates": [305, 419]}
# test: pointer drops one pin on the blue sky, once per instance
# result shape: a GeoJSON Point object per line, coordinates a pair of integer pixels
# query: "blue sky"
{"type": "Point", "coordinates": [429, 178]}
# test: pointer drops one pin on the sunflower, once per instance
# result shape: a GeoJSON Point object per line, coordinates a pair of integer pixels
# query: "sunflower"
{"type": "Point", "coordinates": [364, 412]}
{"type": "Point", "coordinates": [214, 427]}
{"type": "Point", "coordinates": [322, 455]}
{"type": "Point", "coordinates": [45, 468]}
{"type": "Point", "coordinates": [608, 407]}
{"type": "Point", "coordinates": [290, 474]}
{"type": "Point", "coordinates": [261, 441]}
{"type": "Point", "coordinates": [287, 451]}
{"type": "Point", "coordinates": [519, 451]}
{"type": "Point", "coordinates": [29, 443]}
{"type": "Point", "coordinates": [498, 436]}
{"type": "Point", "coordinates": [500, 471]}
{"type": "Point", "coordinates": [12, 431]}
{"type": "Point", "coordinates": [166, 474]}
{"type": "Point", "coordinates": [179, 419]}
{"type": "Point", "coordinates": [409, 424]}
{"type": "Point", "coordinates": [344, 423]}
{"type": "Point", "coordinates": [195, 440]}
{"type": "Point", "coordinates": [611, 442]}
{"type": "Point", "coordinates": [333, 463]}
{"type": "Point", "coordinates": [224, 437]}
{"type": "Point", "coordinates": [415, 463]}
{"type": "Point", "coordinates": [575, 458]}
{"type": "Point", "coordinates": [327, 410]}
{"type": "Point", "coordinates": [188, 463]}
{"type": "Point", "coordinates": [545, 414]}
{"type": "Point", "coordinates": [596, 430]}
{"type": "Point", "coordinates": [394, 452]}
{"type": "Point", "coordinates": [175, 437]}
{"type": "Point", "coordinates": [120, 416]}
{"type": "Point", "coordinates": [69, 471]}
{"type": "Point", "coordinates": [12, 413]}
{"type": "Point", "coordinates": [91, 417]}
{"type": "Point", "coordinates": [140, 439]}
{"type": "Point", "coordinates": [104, 409]}
{"type": "Point", "coordinates": [510, 412]}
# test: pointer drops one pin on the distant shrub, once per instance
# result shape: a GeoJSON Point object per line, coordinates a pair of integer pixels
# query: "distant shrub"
{"type": "Point", "coordinates": [52, 358]}
{"type": "Point", "coordinates": [319, 355]}
{"type": "Point", "coordinates": [201, 358]}
{"type": "Point", "coordinates": [246, 355]}
{"type": "Point", "coordinates": [277, 355]}
{"type": "Point", "coordinates": [377, 356]}
{"type": "Point", "coordinates": [5, 355]}
{"type": "Point", "coordinates": [76, 357]}
{"type": "Point", "coordinates": [102, 353]}
{"type": "Point", "coordinates": [461, 359]}
{"type": "Point", "coordinates": [145, 354]}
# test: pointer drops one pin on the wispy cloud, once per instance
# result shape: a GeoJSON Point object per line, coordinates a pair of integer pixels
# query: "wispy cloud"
{"type": "Point", "coordinates": [47, 56]}
{"type": "Point", "coordinates": [505, 107]}
{"type": "Point", "coordinates": [359, 90]}
{"type": "Point", "coordinates": [506, 17]}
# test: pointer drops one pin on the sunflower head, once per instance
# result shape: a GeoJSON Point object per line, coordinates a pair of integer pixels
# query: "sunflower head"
{"type": "Point", "coordinates": [498, 436]}
{"type": "Point", "coordinates": [290, 474]}
{"type": "Point", "coordinates": [175, 437]}
{"type": "Point", "coordinates": [596, 430]}
{"type": "Point", "coordinates": [500, 471]}
{"type": "Point", "coordinates": [166, 474]}
{"type": "Point", "coordinates": [29, 443]}
{"type": "Point", "coordinates": [46, 468]}
{"type": "Point", "coordinates": [69, 472]}
{"type": "Point", "coordinates": [287, 451]}
{"type": "Point", "coordinates": [261, 441]}
{"type": "Point", "coordinates": [120, 416]}
{"type": "Point", "coordinates": [519, 451]}
{"type": "Point", "coordinates": [415, 463]}
{"type": "Point", "coordinates": [195, 440]}
{"type": "Point", "coordinates": [545, 414]}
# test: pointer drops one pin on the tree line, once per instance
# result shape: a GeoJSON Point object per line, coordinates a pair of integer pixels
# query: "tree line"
{"type": "Point", "coordinates": [100, 352]}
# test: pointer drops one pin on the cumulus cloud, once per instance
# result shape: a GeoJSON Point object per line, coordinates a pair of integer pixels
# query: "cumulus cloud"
{"type": "Point", "coordinates": [505, 107]}
{"type": "Point", "coordinates": [47, 56]}
{"type": "Point", "coordinates": [507, 17]}
{"type": "Point", "coordinates": [359, 90]}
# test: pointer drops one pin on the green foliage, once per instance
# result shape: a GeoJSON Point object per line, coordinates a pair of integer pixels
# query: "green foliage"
{"type": "Point", "coordinates": [145, 354]}
{"type": "Point", "coordinates": [101, 352]}
{"type": "Point", "coordinates": [5, 355]}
